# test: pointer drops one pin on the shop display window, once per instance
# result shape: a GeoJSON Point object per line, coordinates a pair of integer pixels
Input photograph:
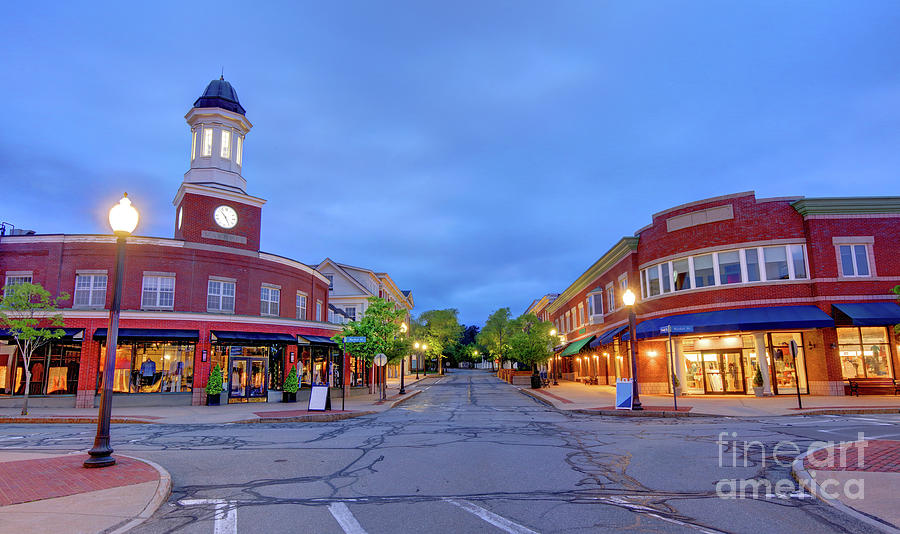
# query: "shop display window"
{"type": "Point", "coordinates": [151, 367]}
{"type": "Point", "coordinates": [864, 352]}
{"type": "Point", "coordinates": [54, 370]}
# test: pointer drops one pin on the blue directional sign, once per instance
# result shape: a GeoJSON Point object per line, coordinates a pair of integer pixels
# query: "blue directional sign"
{"type": "Point", "coordinates": [677, 329]}
{"type": "Point", "coordinates": [354, 339]}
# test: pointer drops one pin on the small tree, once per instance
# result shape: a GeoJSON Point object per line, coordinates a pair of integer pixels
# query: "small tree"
{"type": "Point", "coordinates": [758, 378]}
{"type": "Point", "coordinates": [214, 384]}
{"type": "Point", "coordinates": [531, 341]}
{"type": "Point", "coordinates": [495, 335]}
{"type": "Point", "coordinates": [32, 318]}
{"type": "Point", "coordinates": [291, 381]}
{"type": "Point", "coordinates": [380, 325]}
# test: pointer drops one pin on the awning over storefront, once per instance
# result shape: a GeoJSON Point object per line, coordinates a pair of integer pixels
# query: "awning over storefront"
{"type": "Point", "coordinates": [151, 334]}
{"type": "Point", "coordinates": [72, 334]}
{"type": "Point", "coordinates": [608, 336]}
{"type": "Point", "coordinates": [227, 337]}
{"type": "Point", "coordinates": [576, 346]}
{"type": "Point", "coordinates": [745, 319]}
{"type": "Point", "coordinates": [867, 313]}
{"type": "Point", "coordinates": [319, 340]}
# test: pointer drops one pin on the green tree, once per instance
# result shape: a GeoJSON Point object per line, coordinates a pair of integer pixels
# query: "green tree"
{"type": "Point", "coordinates": [380, 325]}
{"type": "Point", "coordinates": [440, 330]}
{"type": "Point", "coordinates": [32, 318]}
{"type": "Point", "coordinates": [495, 334]}
{"type": "Point", "coordinates": [530, 342]}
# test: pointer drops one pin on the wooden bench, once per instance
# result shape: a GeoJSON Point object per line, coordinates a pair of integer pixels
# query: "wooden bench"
{"type": "Point", "coordinates": [877, 384]}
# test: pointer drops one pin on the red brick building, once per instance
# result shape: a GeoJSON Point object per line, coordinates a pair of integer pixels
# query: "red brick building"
{"type": "Point", "coordinates": [737, 276]}
{"type": "Point", "coordinates": [208, 296]}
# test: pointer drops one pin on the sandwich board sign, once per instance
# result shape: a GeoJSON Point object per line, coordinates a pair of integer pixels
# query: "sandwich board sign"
{"type": "Point", "coordinates": [319, 399]}
{"type": "Point", "coordinates": [624, 394]}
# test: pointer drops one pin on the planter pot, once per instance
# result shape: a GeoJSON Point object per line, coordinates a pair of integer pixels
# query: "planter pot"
{"type": "Point", "coordinates": [288, 397]}
{"type": "Point", "coordinates": [213, 400]}
{"type": "Point", "coordinates": [758, 391]}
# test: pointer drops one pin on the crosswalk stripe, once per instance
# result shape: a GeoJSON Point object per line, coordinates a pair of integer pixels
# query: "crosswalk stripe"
{"type": "Point", "coordinates": [225, 518]}
{"type": "Point", "coordinates": [345, 518]}
{"type": "Point", "coordinates": [486, 515]}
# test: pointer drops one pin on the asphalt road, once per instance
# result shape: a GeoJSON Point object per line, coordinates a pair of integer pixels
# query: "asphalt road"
{"type": "Point", "coordinates": [472, 454]}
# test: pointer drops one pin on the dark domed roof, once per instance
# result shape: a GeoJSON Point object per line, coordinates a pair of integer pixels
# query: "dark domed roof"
{"type": "Point", "coordinates": [220, 94]}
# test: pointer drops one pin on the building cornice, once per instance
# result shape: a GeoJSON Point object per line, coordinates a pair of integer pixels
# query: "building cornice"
{"type": "Point", "coordinates": [187, 187]}
{"type": "Point", "coordinates": [846, 205]}
{"type": "Point", "coordinates": [625, 246]}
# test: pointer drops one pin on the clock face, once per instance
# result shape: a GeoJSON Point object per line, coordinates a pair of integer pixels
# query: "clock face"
{"type": "Point", "coordinates": [225, 216]}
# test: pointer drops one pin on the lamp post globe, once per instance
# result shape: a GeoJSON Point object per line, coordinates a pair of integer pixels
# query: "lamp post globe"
{"type": "Point", "coordinates": [123, 219]}
{"type": "Point", "coordinates": [628, 298]}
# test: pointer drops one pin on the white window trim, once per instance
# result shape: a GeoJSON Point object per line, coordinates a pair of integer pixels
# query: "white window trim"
{"type": "Point", "coordinates": [221, 280]}
{"type": "Point", "coordinates": [157, 306]}
{"type": "Point", "coordinates": [270, 287]}
{"type": "Point", "coordinates": [91, 291]}
{"type": "Point", "coordinates": [611, 301]}
{"type": "Point", "coordinates": [849, 242]}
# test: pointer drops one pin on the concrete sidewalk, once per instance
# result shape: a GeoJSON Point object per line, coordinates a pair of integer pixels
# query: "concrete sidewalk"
{"type": "Point", "coordinates": [53, 493]}
{"type": "Point", "coordinates": [574, 396]}
{"type": "Point", "coordinates": [860, 478]}
{"type": "Point", "coordinates": [257, 412]}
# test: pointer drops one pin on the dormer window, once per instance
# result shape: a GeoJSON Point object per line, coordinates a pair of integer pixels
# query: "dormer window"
{"type": "Point", "coordinates": [226, 144]}
{"type": "Point", "coordinates": [207, 143]}
{"type": "Point", "coordinates": [240, 150]}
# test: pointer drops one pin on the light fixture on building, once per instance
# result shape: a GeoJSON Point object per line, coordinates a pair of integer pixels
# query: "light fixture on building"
{"type": "Point", "coordinates": [651, 353]}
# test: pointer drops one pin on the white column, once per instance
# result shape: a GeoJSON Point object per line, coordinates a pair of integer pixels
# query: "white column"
{"type": "Point", "coordinates": [760, 339]}
{"type": "Point", "coordinates": [679, 362]}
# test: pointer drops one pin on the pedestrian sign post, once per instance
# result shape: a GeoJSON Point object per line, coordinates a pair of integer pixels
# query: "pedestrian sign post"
{"type": "Point", "coordinates": [624, 394]}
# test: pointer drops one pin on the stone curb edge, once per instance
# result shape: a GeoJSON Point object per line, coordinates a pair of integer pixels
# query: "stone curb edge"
{"type": "Point", "coordinates": [807, 482]}
{"type": "Point", "coordinates": [26, 420]}
{"type": "Point", "coordinates": [163, 490]}
{"type": "Point", "coordinates": [408, 396]}
{"type": "Point", "coordinates": [615, 413]}
{"type": "Point", "coordinates": [314, 418]}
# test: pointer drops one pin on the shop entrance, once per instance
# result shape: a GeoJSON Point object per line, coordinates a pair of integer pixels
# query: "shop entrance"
{"type": "Point", "coordinates": [723, 372]}
{"type": "Point", "coordinates": [248, 380]}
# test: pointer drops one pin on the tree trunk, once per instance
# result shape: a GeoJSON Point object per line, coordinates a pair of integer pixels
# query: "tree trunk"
{"type": "Point", "coordinates": [27, 389]}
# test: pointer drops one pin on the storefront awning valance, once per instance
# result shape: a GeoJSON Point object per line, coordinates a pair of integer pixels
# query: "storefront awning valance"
{"type": "Point", "coordinates": [744, 319]}
{"type": "Point", "coordinates": [72, 334]}
{"type": "Point", "coordinates": [151, 334]}
{"type": "Point", "coordinates": [576, 346]}
{"type": "Point", "coordinates": [230, 337]}
{"type": "Point", "coordinates": [867, 313]}
{"type": "Point", "coordinates": [318, 340]}
{"type": "Point", "coordinates": [608, 336]}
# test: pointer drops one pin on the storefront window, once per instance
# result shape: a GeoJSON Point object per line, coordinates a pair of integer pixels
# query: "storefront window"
{"type": "Point", "coordinates": [151, 367]}
{"type": "Point", "coordinates": [54, 370]}
{"type": "Point", "coordinates": [864, 352]}
{"type": "Point", "coordinates": [786, 371]}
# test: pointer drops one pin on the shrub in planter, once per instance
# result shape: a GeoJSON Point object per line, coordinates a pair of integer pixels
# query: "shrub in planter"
{"type": "Point", "coordinates": [291, 385]}
{"type": "Point", "coordinates": [214, 386]}
{"type": "Point", "coordinates": [758, 383]}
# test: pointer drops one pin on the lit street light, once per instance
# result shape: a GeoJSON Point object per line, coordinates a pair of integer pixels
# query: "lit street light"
{"type": "Point", "coordinates": [628, 298]}
{"type": "Point", "coordinates": [123, 219]}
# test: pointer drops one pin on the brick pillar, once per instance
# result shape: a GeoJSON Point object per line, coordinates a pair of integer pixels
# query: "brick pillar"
{"type": "Point", "coordinates": [830, 360]}
{"type": "Point", "coordinates": [201, 369]}
{"type": "Point", "coordinates": [87, 371]}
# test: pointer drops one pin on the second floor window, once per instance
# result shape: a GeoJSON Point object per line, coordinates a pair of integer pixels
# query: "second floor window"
{"type": "Point", "coordinates": [14, 280]}
{"type": "Point", "coordinates": [854, 260]}
{"type": "Point", "coordinates": [90, 290]}
{"type": "Point", "coordinates": [269, 298]}
{"type": "Point", "coordinates": [301, 306]}
{"type": "Point", "coordinates": [330, 278]}
{"type": "Point", "coordinates": [610, 298]}
{"type": "Point", "coordinates": [220, 296]}
{"type": "Point", "coordinates": [596, 304]}
{"type": "Point", "coordinates": [158, 292]}
{"type": "Point", "coordinates": [318, 310]}
{"type": "Point", "coordinates": [350, 312]}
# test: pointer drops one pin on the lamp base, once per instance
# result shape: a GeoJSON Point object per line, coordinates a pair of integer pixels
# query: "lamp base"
{"type": "Point", "coordinates": [99, 461]}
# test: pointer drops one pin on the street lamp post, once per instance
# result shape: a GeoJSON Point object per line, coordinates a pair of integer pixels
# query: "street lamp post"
{"type": "Point", "coordinates": [555, 363]}
{"type": "Point", "coordinates": [425, 366]}
{"type": "Point", "coordinates": [123, 219]}
{"type": "Point", "coordinates": [628, 298]}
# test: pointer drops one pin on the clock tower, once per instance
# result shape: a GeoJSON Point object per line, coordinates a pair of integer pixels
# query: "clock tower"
{"type": "Point", "coordinates": [212, 205]}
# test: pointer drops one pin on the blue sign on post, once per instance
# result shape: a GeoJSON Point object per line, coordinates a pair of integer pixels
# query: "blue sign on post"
{"type": "Point", "coordinates": [624, 394]}
{"type": "Point", "coordinates": [354, 339]}
{"type": "Point", "coordinates": [677, 329]}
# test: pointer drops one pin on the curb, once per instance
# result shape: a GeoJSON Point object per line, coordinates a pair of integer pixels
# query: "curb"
{"type": "Point", "coordinates": [408, 396]}
{"type": "Point", "coordinates": [616, 413]}
{"type": "Point", "coordinates": [163, 490]}
{"type": "Point", "coordinates": [27, 420]}
{"type": "Point", "coordinates": [807, 482]}
{"type": "Point", "coordinates": [314, 418]}
{"type": "Point", "coordinates": [842, 411]}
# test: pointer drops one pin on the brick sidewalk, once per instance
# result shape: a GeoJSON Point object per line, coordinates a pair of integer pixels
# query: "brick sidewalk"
{"type": "Point", "coordinates": [33, 480]}
{"type": "Point", "coordinates": [879, 455]}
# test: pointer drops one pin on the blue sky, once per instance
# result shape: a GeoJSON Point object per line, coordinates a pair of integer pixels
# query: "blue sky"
{"type": "Point", "coordinates": [482, 153]}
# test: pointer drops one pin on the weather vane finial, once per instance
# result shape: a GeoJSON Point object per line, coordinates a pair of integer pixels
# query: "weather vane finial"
{"type": "Point", "coordinates": [222, 77]}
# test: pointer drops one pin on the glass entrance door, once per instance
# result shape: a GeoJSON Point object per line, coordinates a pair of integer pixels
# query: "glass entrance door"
{"type": "Point", "coordinates": [724, 372]}
{"type": "Point", "coordinates": [247, 380]}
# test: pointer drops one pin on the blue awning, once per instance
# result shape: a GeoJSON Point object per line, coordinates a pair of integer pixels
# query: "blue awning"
{"type": "Point", "coordinates": [608, 336]}
{"type": "Point", "coordinates": [226, 337]}
{"type": "Point", "coordinates": [867, 313]}
{"type": "Point", "coordinates": [320, 340]}
{"type": "Point", "coordinates": [744, 319]}
{"type": "Point", "coordinates": [71, 334]}
{"type": "Point", "coordinates": [151, 334]}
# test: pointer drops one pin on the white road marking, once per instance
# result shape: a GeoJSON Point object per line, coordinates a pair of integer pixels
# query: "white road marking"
{"type": "Point", "coordinates": [653, 513]}
{"type": "Point", "coordinates": [12, 438]}
{"type": "Point", "coordinates": [490, 517]}
{"type": "Point", "coordinates": [345, 518]}
{"type": "Point", "coordinates": [225, 516]}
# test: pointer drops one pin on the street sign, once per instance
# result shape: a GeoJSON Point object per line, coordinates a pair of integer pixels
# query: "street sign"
{"type": "Point", "coordinates": [354, 339]}
{"type": "Point", "coordinates": [677, 329]}
{"type": "Point", "coordinates": [380, 359]}
{"type": "Point", "coordinates": [624, 394]}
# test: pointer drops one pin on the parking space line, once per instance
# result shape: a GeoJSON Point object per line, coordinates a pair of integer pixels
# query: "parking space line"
{"type": "Point", "coordinates": [225, 517]}
{"type": "Point", "coordinates": [490, 517]}
{"type": "Point", "coordinates": [345, 518]}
